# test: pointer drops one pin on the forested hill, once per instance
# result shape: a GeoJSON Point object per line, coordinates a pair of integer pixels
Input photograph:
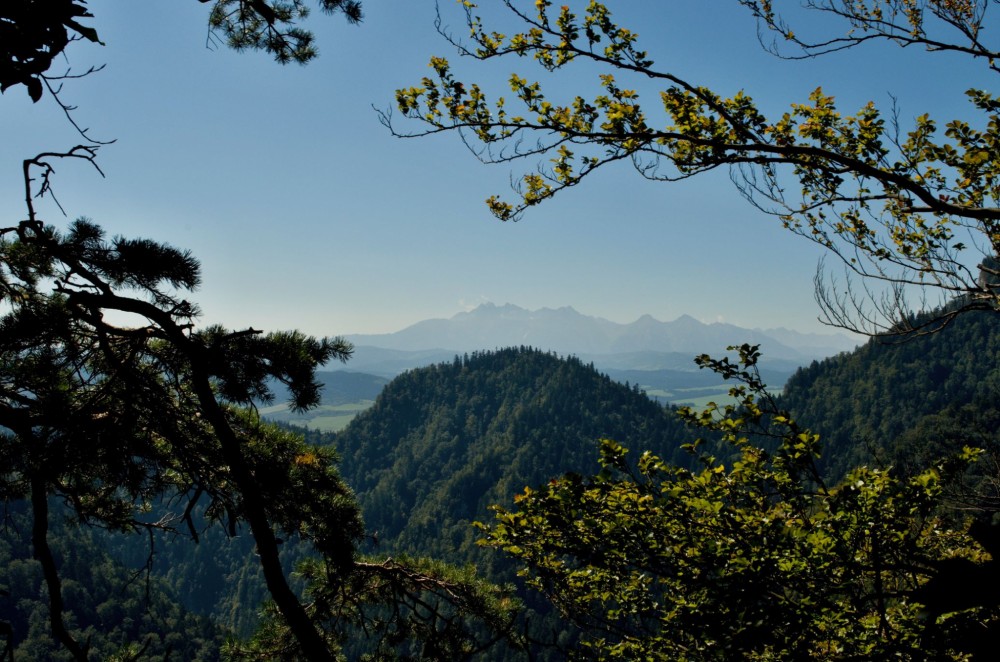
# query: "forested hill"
{"type": "Point", "coordinates": [862, 402]}
{"type": "Point", "coordinates": [443, 443]}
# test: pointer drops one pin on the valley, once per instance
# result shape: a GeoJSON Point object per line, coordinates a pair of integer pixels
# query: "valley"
{"type": "Point", "coordinates": [657, 357]}
{"type": "Point", "coordinates": [431, 450]}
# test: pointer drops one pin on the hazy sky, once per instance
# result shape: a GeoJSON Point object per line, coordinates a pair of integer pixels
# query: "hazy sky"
{"type": "Point", "coordinates": [307, 214]}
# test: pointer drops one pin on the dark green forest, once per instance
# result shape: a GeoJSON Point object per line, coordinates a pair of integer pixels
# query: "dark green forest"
{"type": "Point", "coordinates": [874, 405]}
{"type": "Point", "coordinates": [442, 444]}
{"type": "Point", "coordinates": [438, 448]}
{"type": "Point", "coordinates": [122, 611]}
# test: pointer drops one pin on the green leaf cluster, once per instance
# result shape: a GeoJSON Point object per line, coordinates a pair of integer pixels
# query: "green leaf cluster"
{"type": "Point", "coordinates": [272, 26]}
{"type": "Point", "coordinates": [897, 205]}
{"type": "Point", "coordinates": [752, 558]}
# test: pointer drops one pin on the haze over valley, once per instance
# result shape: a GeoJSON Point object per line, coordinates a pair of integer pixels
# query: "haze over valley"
{"type": "Point", "coordinates": [656, 356]}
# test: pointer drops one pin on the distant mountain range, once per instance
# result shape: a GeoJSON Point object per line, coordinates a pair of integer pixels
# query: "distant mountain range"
{"type": "Point", "coordinates": [658, 357]}
{"type": "Point", "coordinates": [646, 343]}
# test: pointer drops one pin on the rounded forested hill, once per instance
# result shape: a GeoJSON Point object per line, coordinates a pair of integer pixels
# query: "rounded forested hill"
{"type": "Point", "coordinates": [443, 443]}
{"type": "Point", "coordinates": [861, 403]}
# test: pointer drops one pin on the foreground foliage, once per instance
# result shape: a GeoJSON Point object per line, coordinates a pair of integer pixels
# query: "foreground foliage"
{"type": "Point", "coordinates": [111, 401]}
{"type": "Point", "coordinates": [394, 609]}
{"type": "Point", "coordinates": [118, 411]}
{"type": "Point", "coordinates": [34, 34]}
{"type": "Point", "coordinates": [754, 557]}
{"type": "Point", "coordinates": [899, 206]}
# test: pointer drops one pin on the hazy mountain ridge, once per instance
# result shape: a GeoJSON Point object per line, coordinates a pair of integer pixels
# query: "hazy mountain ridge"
{"type": "Point", "coordinates": [567, 331]}
{"type": "Point", "coordinates": [657, 356]}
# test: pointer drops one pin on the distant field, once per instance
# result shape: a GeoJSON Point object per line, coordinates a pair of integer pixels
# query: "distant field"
{"type": "Point", "coordinates": [326, 418]}
{"type": "Point", "coordinates": [673, 387]}
{"type": "Point", "coordinates": [697, 397]}
{"type": "Point", "coordinates": [687, 396]}
{"type": "Point", "coordinates": [721, 399]}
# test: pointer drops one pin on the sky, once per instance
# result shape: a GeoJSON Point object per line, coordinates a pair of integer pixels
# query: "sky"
{"type": "Point", "coordinates": [306, 213]}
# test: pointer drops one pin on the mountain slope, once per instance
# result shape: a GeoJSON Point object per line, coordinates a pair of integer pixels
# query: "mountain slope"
{"type": "Point", "coordinates": [567, 331]}
{"type": "Point", "coordinates": [443, 443]}
{"type": "Point", "coordinates": [863, 401]}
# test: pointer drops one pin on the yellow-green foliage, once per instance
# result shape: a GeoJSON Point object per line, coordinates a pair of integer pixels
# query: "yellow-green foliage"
{"type": "Point", "coordinates": [754, 557]}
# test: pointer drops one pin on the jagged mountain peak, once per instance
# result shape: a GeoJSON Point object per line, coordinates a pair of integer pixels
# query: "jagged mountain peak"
{"type": "Point", "coordinates": [567, 331]}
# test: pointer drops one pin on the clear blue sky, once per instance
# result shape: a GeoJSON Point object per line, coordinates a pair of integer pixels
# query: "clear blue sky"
{"type": "Point", "coordinates": [307, 214]}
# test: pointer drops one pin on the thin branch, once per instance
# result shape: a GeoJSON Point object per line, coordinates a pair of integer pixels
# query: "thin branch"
{"type": "Point", "coordinates": [67, 109]}
{"type": "Point", "coordinates": [41, 161]}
